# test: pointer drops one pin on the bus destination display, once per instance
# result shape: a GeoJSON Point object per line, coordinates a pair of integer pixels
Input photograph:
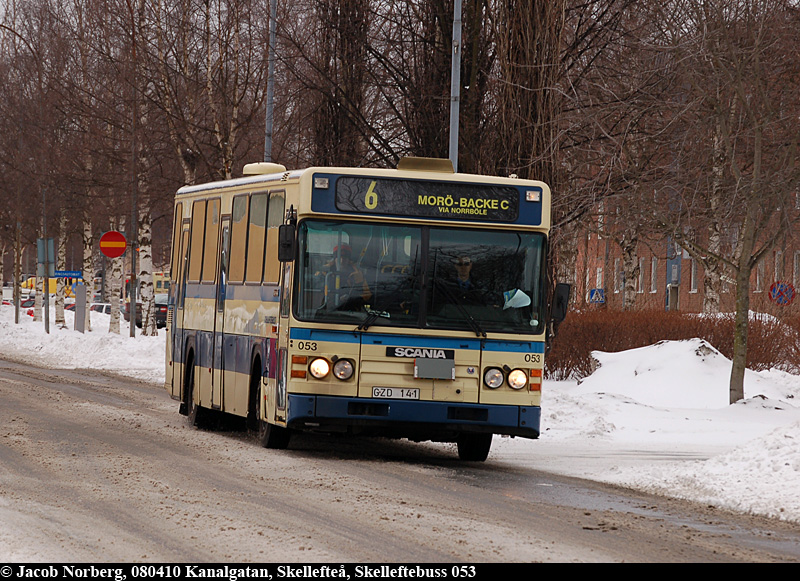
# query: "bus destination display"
{"type": "Point", "coordinates": [427, 199]}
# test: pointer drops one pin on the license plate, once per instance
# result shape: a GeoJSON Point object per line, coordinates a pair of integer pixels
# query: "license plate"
{"type": "Point", "coordinates": [395, 393]}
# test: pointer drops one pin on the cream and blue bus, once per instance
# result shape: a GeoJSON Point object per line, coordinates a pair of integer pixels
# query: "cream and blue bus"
{"type": "Point", "coordinates": [406, 303]}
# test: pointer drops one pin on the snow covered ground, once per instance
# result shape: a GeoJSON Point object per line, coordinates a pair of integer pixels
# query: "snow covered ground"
{"type": "Point", "coordinates": [655, 419]}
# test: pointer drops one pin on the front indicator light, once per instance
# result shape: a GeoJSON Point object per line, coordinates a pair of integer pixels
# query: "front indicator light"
{"type": "Point", "coordinates": [319, 368]}
{"type": "Point", "coordinates": [493, 378]}
{"type": "Point", "coordinates": [517, 379]}
{"type": "Point", "coordinates": [343, 369]}
{"type": "Point", "coordinates": [536, 380]}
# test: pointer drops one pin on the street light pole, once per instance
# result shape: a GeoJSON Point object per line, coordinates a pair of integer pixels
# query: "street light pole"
{"type": "Point", "coordinates": [273, 14]}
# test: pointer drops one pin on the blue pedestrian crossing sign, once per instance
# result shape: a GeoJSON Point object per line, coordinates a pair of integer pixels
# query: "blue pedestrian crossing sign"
{"type": "Point", "coordinates": [597, 295]}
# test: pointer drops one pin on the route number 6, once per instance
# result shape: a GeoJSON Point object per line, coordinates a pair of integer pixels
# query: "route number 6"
{"type": "Point", "coordinates": [371, 199]}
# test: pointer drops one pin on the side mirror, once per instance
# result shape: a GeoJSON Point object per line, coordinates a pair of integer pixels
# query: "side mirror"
{"type": "Point", "coordinates": [286, 243]}
{"type": "Point", "coordinates": [558, 311]}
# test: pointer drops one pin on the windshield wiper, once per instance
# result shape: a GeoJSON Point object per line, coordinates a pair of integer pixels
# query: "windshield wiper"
{"type": "Point", "coordinates": [473, 324]}
{"type": "Point", "coordinates": [374, 315]}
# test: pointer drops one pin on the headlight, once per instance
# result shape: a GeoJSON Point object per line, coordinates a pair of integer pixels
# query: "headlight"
{"type": "Point", "coordinates": [517, 379]}
{"type": "Point", "coordinates": [319, 368]}
{"type": "Point", "coordinates": [343, 369]}
{"type": "Point", "coordinates": [493, 378]}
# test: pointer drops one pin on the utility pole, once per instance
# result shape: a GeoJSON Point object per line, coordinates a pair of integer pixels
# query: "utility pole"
{"type": "Point", "coordinates": [455, 84]}
{"type": "Point", "coordinates": [46, 278]}
{"type": "Point", "coordinates": [134, 171]}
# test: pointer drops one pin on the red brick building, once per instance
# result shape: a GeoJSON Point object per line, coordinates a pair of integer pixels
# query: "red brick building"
{"type": "Point", "coordinates": [670, 279]}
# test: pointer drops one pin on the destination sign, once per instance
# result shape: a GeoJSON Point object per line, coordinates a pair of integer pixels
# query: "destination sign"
{"type": "Point", "coordinates": [427, 199]}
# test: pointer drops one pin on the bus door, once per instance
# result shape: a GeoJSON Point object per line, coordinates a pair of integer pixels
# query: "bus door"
{"type": "Point", "coordinates": [218, 381]}
{"type": "Point", "coordinates": [176, 330]}
{"type": "Point", "coordinates": [279, 364]}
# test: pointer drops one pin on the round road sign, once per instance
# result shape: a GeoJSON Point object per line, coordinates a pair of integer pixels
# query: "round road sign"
{"type": "Point", "coordinates": [782, 293]}
{"type": "Point", "coordinates": [113, 244]}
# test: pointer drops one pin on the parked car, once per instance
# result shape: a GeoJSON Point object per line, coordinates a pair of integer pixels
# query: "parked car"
{"type": "Point", "coordinates": [101, 308]}
{"type": "Point", "coordinates": [160, 308]}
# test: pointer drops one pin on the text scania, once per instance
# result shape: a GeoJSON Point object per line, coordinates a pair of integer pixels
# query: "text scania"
{"type": "Point", "coordinates": [403, 572]}
{"type": "Point", "coordinates": [423, 353]}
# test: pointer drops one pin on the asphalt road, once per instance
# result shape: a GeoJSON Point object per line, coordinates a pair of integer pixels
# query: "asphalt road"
{"type": "Point", "coordinates": [97, 468]}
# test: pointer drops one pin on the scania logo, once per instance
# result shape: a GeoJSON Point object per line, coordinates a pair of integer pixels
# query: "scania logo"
{"type": "Point", "coordinates": [422, 353]}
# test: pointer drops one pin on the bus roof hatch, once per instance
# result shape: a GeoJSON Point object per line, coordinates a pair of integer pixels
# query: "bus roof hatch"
{"type": "Point", "coordinates": [262, 168]}
{"type": "Point", "coordinates": [425, 164]}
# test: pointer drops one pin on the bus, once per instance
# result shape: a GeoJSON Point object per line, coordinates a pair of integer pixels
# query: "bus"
{"type": "Point", "coordinates": [161, 282]}
{"type": "Point", "coordinates": [335, 300]}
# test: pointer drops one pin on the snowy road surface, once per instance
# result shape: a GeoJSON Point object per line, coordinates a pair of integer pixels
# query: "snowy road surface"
{"type": "Point", "coordinates": [96, 468]}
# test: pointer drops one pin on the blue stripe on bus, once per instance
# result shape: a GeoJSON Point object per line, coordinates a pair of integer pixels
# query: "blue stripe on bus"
{"type": "Point", "coordinates": [517, 420]}
{"type": "Point", "coordinates": [300, 334]}
{"type": "Point", "coordinates": [235, 350]}
{"type": "Point", "coordinates": [421, 341]}
{"type": "Point", "coordinates": [514, 346]}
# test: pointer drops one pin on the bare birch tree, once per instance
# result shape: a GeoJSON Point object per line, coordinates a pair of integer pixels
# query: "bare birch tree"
{"type": "Point", "coordinates": [742, 76]}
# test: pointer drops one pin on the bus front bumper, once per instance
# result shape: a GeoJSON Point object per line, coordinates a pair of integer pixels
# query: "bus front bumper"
{"type": "Point", "coordinates": [422, 420]}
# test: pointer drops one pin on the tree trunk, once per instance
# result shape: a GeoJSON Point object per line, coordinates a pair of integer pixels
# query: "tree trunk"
{"type": "Point", "coordinates": [630, 266]}
{"type": "Point", "coordinates": [17, 272]}
{"type": "Point", "coordinates": [742, 316]}
{"type": "Point", "coordinates": [88, 270]}
{"type": "Point", "coordinates": [114, 282]}
{"type": "Point", "coordinates": [2, 259]}
{"type": "Point", "coordinates": [38, 302]}
{"type": "Point", "coordinates": [145, 276]}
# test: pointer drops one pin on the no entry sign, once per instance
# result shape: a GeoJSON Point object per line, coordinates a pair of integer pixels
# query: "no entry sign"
{"type": "Point", "coordinates": [113, 244]}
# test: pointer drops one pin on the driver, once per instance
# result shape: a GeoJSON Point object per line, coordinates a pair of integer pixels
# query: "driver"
{"type": "Point", "coordinates": [345, 281]}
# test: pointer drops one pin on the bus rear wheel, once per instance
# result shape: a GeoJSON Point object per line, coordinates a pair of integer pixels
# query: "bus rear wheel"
{"type": "Point", "coordinates": [196, 415]}
{"type": "Point", "coordinates": [474, 447]}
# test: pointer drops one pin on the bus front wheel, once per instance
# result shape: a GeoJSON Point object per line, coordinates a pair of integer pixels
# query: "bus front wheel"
{"type": "Point", "coordinates": [474, 447]}
{"type": "Point", "coordinates": [272, 436]}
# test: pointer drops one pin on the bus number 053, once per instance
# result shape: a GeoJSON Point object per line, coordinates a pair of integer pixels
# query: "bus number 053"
{"type": "Point", "coordinates": [307, 346]}
{"type": "Point", "coordinates": [533, 358]}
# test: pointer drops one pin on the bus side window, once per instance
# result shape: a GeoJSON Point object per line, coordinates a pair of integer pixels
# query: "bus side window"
{"type": "Point", "coordinates": [272, 268]}
{"type": "Point", "coordinates": [197, 239]}
{"type": "Point", "coordinates": [176, 241]}
{"type": "Point", "coordinates": [256, 237]}
{"type": "Point", "coordinates": [212, 239]}
{"type": "Point", "coordinates": [238, 240]}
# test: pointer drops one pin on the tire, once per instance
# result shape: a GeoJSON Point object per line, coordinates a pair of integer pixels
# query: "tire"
{"type": "Point", "coordinates": [272, 436]}
{"type": "Point", "coordinates": [269, 435]}
{"type": "Point", "coordinates": [196, 415]}
{"type": "Point", "coordinates": [474, 447]}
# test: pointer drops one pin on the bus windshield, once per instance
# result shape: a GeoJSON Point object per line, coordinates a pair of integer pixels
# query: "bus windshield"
{"type": "Point", "coordinates": [420, 276]}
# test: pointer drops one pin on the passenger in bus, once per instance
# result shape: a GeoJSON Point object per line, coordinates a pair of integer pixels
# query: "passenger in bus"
{"type": "Point", "coordinates": [346, 289]}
